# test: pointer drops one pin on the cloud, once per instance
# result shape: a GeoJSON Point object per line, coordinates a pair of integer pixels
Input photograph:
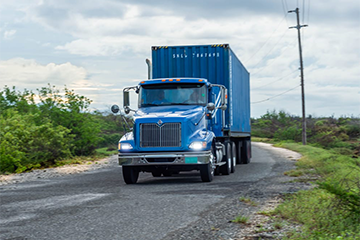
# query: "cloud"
{"type": "Point", "coordinates": [27, 72]}
{"type": "Point", "coordinates": [114, 37]}
{"type": "Point", "coordinates": [9, 34]}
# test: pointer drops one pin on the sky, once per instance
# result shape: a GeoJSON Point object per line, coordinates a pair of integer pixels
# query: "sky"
{"type": "Point", "coordinates": [98, 47]}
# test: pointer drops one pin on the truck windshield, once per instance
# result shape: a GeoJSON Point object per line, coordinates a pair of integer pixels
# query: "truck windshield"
{"type": "Point", "coordinates": [172, 94]}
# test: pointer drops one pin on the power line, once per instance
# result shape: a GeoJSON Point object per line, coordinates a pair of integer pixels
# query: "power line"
{"type": "Point", "coordinates": [266, 40]}
{"type": "Point", "coordinates": [285, 11]}
{"type": "Point", "coordinates": [308, 15]}
{"type": "Point", "coordinates": [267, 99]}
{"type": "Point", "coordinates": [286, 4]}
{"type": "Point", "coordinates": [275, 80]}
{"type": "Point", "coordinates": [303, 14]}
{"type": "Point", "coordinates": [272, 48]}
{"type": "Point", "coordinates": [272, 60]}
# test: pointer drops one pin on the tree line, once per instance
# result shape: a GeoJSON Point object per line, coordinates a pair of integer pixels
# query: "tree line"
{"type": "Point", "coordinates": [341, 134]}
{"type": "Point", "coordinates": [39, 129]}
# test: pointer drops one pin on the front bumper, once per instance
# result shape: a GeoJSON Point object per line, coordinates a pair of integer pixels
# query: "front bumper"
{"type": "Point", "coordinates": [164, 158]}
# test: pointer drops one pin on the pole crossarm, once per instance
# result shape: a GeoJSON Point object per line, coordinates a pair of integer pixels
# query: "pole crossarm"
{"type": "Point", "coordinates": [298, 27]}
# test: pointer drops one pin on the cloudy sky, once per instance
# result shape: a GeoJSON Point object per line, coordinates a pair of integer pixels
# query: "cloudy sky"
{"type": "Point", "coordinates": [97, 47]}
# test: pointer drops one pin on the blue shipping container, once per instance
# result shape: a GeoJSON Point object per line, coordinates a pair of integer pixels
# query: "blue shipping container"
{"type": "Point", "coordinates": [219, 65]}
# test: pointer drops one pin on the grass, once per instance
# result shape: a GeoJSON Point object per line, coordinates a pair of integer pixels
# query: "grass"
{"type": "Point", "coordinates": [104, 152]}
{"type": "Point", "coordinates": [331, 210]}
{"type": "Point", "coordinates": [294, 173]}
{"type": "Point", "coordinates": [248, 201]}
{"type": "Point", "coordinates": [267, 213]}
{"type": "Point", "coordinates": [240, 219]}
{"type": "Point", "coordinates": [100, 153]}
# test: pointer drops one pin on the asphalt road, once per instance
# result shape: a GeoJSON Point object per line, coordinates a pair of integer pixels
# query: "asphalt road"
{"type": "Point", "coordinates": [99, 205]}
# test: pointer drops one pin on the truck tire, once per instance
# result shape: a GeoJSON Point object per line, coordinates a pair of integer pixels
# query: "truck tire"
{"type": "Point", "coordinates": [233, 155]}
{"type": "Point", "coordinates": [238, 152]}
{"type": "Point", "coordinates": [226, 168]}
{"type": "Point", "coordinates": [246, 152]}
{"type": "Point", "coordinates": [207, 173]}
{"type": "Point", "coordinates": [130, 174]}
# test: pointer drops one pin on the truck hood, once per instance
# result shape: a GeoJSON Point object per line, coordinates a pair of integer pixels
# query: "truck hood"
{"type": "Point", "coordinates": [173, 111]}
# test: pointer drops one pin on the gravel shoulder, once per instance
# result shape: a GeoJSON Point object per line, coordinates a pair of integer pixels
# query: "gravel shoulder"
{"type": "Point", "coordinates": [59, 171]}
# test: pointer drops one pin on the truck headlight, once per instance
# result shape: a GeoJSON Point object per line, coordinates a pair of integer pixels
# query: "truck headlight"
{"type": "Point", "coordinates": [197, 145]}
{"type": "Point", "coordinates": [125, 146]}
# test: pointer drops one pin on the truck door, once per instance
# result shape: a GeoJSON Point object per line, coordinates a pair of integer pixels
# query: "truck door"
{"type": "Point", "coordinates": [218, 95]}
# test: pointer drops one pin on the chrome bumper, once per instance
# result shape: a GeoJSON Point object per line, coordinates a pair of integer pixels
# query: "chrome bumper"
{"type": "Point", "coordinates": [164, 158]}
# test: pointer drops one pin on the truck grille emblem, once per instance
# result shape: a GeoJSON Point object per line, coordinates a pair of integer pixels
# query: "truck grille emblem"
{"type": "Point", "coordinates": [159, 122]}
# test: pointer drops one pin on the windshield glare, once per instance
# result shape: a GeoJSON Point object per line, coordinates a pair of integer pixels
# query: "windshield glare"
{"type": "Point", "coordinates": [172, 94]}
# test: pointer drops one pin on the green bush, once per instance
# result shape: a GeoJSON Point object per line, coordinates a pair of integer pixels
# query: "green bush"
{"type": "Point", "coordinates": [24, 145]}
{"type": "Point", "coordinates": [288, 133]}
{"type": "Point", "coordinates": [59, 125]}
{"type": "Point", "coordinates": [328, 132]}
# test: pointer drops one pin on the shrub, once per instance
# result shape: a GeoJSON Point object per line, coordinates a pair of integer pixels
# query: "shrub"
{"type": "Point", "coordinates": [25, 145]}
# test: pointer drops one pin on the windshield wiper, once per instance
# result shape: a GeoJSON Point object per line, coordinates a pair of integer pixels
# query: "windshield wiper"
{"type": "Point", "coordinates": [150, 105]}
{"type": "Point", "coordinates": [181, 104]}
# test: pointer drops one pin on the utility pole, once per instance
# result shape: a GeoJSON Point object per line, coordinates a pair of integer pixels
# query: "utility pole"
{"type": "Point", "coordinates": [302, 76]}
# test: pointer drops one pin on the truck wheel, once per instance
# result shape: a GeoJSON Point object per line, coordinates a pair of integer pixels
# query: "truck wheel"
{"type": "Point", "coordinates": [233, 155]}
{"type": "Point", "coordinates": [238, 153]}
{"type": "Point", "coordinates": [226, 168]}
{"type": "Point", "coordinates": [130, 174]}
{"type": "Point", "coordinates": [207, 173]}
{"type": "Point", "coordinates": [246, 152]}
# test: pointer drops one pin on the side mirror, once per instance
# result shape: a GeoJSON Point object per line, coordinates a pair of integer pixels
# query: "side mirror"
{"type": "Point", "coordinates": [127, 110]}
{"type": "Point", "coordinates": [115, 108]}
{"type": "Point", "coordinates": [126, 99]}
{"type": "Point", "coordinates": [210, 106]}
{"type": "Point", "coordinates": [223, 107]}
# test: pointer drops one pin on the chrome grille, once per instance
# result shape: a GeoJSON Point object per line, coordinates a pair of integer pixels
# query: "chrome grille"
{"type": "Point", "coordinates": [166, 135]}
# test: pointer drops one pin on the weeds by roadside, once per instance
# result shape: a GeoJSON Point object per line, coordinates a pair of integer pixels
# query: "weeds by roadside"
{"type": "Point", "coordinates": [332, 209]}
{"type": "Point", "coordinates": [240, 219]}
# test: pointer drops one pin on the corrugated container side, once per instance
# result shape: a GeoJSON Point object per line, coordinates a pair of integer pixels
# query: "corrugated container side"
{"type": "Point", "coordinates": [240, 96]}
{"type": "Point", "coordinates": [218, 64]}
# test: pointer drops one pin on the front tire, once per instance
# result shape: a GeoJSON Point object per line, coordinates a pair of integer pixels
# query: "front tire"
{"type": "Point", "coordinates": [207, 172]}
{"type": "Point", "coordinates": [130, 174]}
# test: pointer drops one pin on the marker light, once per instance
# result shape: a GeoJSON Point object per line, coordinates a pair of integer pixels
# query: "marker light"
{"type": "Point", "coordinates": [125, 146]}
{"type": "Point", "coordinates": [197, 145]}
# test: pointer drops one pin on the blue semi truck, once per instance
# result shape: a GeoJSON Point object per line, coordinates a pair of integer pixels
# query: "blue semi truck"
{"type": "Point", "coordinates": [193, 114]}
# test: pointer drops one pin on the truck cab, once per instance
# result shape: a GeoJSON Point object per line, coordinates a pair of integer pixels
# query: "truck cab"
{"type": "Point", "coordinates": [172, 129]}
